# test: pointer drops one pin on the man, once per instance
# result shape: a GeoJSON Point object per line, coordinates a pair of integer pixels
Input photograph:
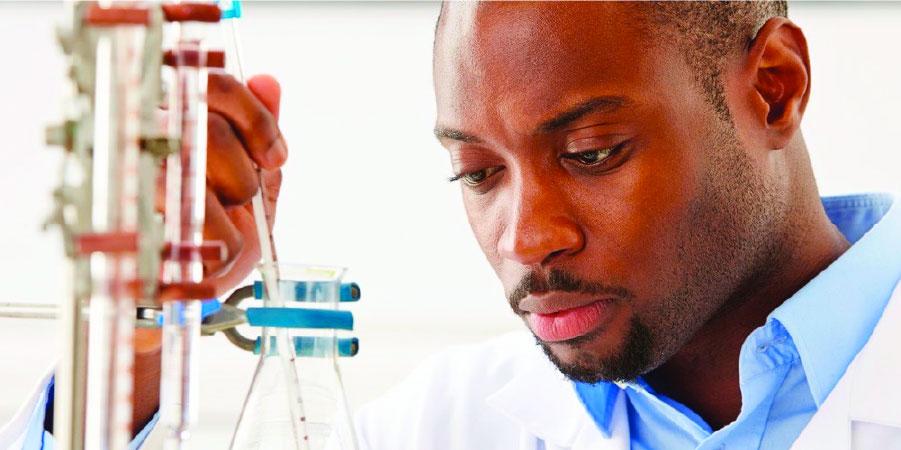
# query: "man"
{"type": "Point", "coordinates": [636, 176]}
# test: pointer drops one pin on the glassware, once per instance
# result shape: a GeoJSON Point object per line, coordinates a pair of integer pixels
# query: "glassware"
{"type": "Point", "coordinates": [299, 404]}
{"type": "Point", "coordinates": [185, 193]}
{"type": "Point", "coordinates": [114, 227]}
{"type": "Point", "coordinates": [282, 410]}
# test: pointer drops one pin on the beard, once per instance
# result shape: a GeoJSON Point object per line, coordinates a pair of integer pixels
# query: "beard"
{"type": "Point", "coordinates": [632, 360]}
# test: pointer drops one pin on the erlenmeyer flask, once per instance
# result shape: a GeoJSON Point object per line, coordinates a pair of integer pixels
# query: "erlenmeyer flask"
{"type": "Point", "coordinates": [301, 367]}
{"type": "Point", "coordinates": [273, 416]}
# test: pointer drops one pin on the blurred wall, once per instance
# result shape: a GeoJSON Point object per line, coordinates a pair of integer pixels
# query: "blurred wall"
{"type": "Point", "coordinates": [365, 183]}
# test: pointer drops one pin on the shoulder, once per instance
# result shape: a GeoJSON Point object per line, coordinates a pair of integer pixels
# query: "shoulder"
{"type": "Point", "coordinates": [445, 398]}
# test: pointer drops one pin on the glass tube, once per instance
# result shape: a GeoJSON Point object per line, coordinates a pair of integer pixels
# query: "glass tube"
{"type": "Point", "coordinates": [185, 203]}
{"type": "Point", "coordinates": [114, 203]}
{"type": "Point", "coordinates": [275, 388]}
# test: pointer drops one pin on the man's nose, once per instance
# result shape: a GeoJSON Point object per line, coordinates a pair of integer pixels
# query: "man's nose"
{"type": "Point", "coordinates": [539, 228]}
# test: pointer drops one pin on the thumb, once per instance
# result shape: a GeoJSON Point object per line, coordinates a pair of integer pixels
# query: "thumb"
{"type": "Point", "coordinates": [267, 90]}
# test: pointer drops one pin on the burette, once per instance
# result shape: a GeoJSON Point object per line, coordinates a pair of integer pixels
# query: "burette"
{"type": "Point", "coordinates": [269, 271]}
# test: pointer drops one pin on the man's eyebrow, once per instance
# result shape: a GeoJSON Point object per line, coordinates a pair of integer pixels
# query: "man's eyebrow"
{"type": "Point", "coordinates": [596, 104]}
{"type": "Point", "coordinates": [457, 135]}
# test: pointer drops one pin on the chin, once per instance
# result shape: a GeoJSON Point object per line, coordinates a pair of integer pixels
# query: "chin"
{"type": "Point", "coordinates": [603, 355]}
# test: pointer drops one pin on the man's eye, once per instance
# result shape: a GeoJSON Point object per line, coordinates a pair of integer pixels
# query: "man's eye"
{"type": "Point", "coordinates": [475, 178]}
{"type": "Point", "coordinates": [591, 157]}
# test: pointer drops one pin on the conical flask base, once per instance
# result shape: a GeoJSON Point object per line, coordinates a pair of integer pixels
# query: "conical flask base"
{"type": "Point", "coordinates": [268, 421]}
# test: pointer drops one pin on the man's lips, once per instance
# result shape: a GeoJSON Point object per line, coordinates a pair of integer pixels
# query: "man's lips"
{"type": "Point", "coordinates": [560, 317]}
{"type": "Point", "coordinates": [555, 301]}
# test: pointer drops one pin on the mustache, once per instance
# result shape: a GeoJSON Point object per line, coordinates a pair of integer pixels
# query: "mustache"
{"type": "Point", "coordinates": [560, 280]}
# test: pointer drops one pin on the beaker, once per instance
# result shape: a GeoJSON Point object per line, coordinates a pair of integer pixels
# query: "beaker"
{"type": "Point", "coordinates": [269, 417]}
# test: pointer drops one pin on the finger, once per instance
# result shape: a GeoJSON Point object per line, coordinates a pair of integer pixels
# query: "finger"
{"type": "Point", "coordinates": [219, 227]}
{"type": "Point", "coordinates": [230, 172]}
{"type": "Point", "coordinates": [267, 89]}
{"type": "Point", "coordinates": [147, 340]}
{"type": "Point", "coordinates": [244, 262]}
{"type": "Point", "coordinates": [256, 126]}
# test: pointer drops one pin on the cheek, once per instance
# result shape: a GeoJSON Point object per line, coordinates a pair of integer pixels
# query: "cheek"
{"type": "Point", "coordinates": [637, 230]}
{"type": "Point", "coordinates": [486, 222]}
{"type": "Point", "coordinates": [489, 216]}
{"type": "Point", "coordinates": [652, 203]}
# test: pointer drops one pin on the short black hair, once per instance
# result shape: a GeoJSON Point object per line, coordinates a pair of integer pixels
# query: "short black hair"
{"type": "Point", "coordinates": [708, 32]}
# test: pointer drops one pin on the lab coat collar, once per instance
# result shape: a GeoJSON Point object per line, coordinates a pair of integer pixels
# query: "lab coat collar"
{"type": "Point", "coordinates": [866, 394]}
{"type": "Point", "coordinates": [875, 394]}
{"type": "Point", "coordinates": [542, 401]}
{"type": "Point", "coordinates": [599, 400]}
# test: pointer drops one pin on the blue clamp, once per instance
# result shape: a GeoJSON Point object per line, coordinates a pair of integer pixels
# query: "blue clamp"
{"type": "Point", "coordinates": [311, 291]}
{"type": "Point", "coordinates": [316, 346]}
{"type": "Point", "coordinates": [300, 318]}
{"type": "Point", "coordinates": [231, 9]}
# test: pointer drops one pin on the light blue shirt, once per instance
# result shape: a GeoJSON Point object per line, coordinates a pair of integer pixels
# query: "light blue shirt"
{"type": "Point", "coordinates": [37, 438]}
{"type": "Point", "coordinates": [788, 366]}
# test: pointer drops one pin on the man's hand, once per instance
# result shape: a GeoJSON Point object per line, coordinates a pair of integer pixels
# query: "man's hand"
{"type": "Point", "coordinates": [242, 134]}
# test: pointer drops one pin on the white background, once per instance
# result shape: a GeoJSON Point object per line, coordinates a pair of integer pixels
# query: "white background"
{"type": "Point", "coordinates": [365, 184]}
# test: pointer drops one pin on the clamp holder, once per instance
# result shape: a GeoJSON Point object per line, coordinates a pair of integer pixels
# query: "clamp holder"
{"type": "Point", "coordinates": [230, 316]}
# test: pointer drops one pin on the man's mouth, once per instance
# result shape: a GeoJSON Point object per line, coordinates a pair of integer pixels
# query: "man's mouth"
{"type": "Point", "coordinates": [555, 325]}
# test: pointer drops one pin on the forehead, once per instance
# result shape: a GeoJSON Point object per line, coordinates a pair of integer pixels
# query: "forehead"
{"type": "Point", "coordinates": [521, 61]}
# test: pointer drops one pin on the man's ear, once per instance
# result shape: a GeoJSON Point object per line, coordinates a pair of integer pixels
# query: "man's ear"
{"type": "Point", "coordinates": [779, 70]}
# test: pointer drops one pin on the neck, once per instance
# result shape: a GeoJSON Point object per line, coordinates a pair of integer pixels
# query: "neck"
{"type": "Point", "coordinates": [703, 375]}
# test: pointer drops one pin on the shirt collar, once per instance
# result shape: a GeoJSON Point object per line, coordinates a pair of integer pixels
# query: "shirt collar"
{"type": "Point", "coordinates": [831, 318]}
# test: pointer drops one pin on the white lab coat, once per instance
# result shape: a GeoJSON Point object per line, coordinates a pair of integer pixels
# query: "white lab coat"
{"type": "Point", "coordinates": [505, 395]}
{"type": "Point", "coordinates": [502, 395]}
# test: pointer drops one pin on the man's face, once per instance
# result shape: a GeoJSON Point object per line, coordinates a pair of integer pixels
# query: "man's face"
{"type": "Point", "coordinates": [619, 212]}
